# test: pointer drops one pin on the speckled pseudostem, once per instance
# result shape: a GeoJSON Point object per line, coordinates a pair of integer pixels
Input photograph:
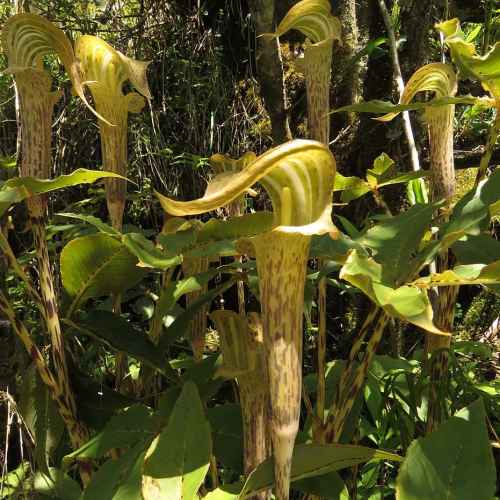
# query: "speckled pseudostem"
{"type": "Point", "coordinates": [317, 61]}
{"type": "Point", "coordinates": [281, 265]}
{"type": "Point", "coordinates": [440, 123]}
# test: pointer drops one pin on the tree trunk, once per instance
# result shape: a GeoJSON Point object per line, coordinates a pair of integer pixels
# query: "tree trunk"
{"type": "Point", "coordinates": [270, 69]}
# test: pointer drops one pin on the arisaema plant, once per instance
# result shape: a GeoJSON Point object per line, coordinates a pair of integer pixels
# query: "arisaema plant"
{"type": "Point", "coordinates": [440, 79]}
{"type": "Point", "coordinates": [26, 39]}
{"type": "Point", "coordinates": [298, 177]}
{"type": "Point", "coordinates": [314, 19]}
{"type": "Point", "coordinates": [106, 70]}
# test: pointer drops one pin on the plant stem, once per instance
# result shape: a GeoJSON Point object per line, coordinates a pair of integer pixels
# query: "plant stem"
{"type": "Point", "coordinates": [37, 104]}
{"type": "Point", "coordinates": [353, 379]}
{"type": "Point", "coordinates": [77, 432]}
{"type": "Point", "coordinates": [442, 183]}
{"type": "Point", "coordinates": [321, 361]}
{"type": "Point", "coordinates": [281, 266]}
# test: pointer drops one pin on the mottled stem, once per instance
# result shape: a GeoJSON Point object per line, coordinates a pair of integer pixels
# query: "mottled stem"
{"type": "Point", "coordinates": [114, 155]}
{"type": "Point", "coordinates": [317, 60]}
{"type": "Point", "coordinates": [281, 266]}
{"type": "Point", "coordinates": [37, 103]}
{"type": "Point", "coordinates": [321, 362]}
{"type": "Point", "coordinates": [77, 432]}
{"type": "Point", "coordinates": [353, 379]}
{"type": "Point", "coordinates": [440, 123]}
{"type": "Point", "coordinates": [198, 326]}
{"type": "Point", "coordinates": [254, 408]}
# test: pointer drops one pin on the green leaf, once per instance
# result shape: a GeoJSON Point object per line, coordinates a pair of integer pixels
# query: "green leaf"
{"type": "Point", "coordinates": [125, 430]}
{"type": "Point", "coordinates": [41, 416]}
{"type": "Point", "coordinates": [401, 178]}
{"type": "Point", "coordinates": [56, 484]}
{"type": "Point", "coordinates": [381, 167]}
{"type": "Point", "coordinates": [117, 333]}
{"type": "Point", "coordinates": [477, 249]}
{"type": "Point", "coordinates": [471, 213]}
{"type": "Point", "coordinates": [484, 68]}
{"type": "Point", "coordinates": [472, 274]}
{"type": "Point", "coordinates": [394, 241]}
{"type": "Point", "coordinates": [329, 486]}
{"type": "Point", "coordinates": [97, 265]}
{"type": "Point", "coordinates": [96, 402]}
{"type": "Point", "coordinates": [180, 325]}
{"type": "Point", "coordinates": [405, 302]}
{"type": "Point", "coordinates": [113, 474]}
{"type": "Point", "coordinates": [227, 433]}
{"type": "Point", "coordinates": [15, 481]}
{"type": "Point", "coordinates": [455, 461]}
{"type": "Point", "coordinates": [351, 187]}
{"type": "Point", "coordinates": [20, 188]}
{"type": "Point", "coordinates": [384, 107]}
{"type": "Point", "coordinates": [147, 253]}
{"type": "Point", "coordinates": [94, 221]}
{"type": "Point", "coordinates": [178, 459]}
{"type": "Point", "coordinates": [308, 460]}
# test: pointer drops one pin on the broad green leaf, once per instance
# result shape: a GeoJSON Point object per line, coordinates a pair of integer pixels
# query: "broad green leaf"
{"type": "Point", "coordinates": [96, 402]}
{"type": "Point", "coordinates": [471, 274]}
{"type": "Point", "coordinates": [179, 326]}
{"type": "Point", "coordinates": [308, 460]}
{"type": "Point", "coordinates": [395, 240]}
{"type": "Point", "coordinates": [405, 302]}
{"type": "Point", "coordinates": [15, 481]}
{"type": "Point", "coordinates": [351, 187]}
{"type": "Point", "coordinates": [471, 213]}
{"type": "Point", "coordinates": [328, 486]}
{"type": "Point", "coordinates": [381, 167]}
{"type": "Point", "coordinates": [120, 335]}
{"type": "Point", "coordinates": [477, 249]}
{"type": "Point", "coordinates": [94, 221]}
{"type": "Point", "coordinates": [147, 253]}
{"type": "Point", "coordinates": [111, 476]}
{"type": "Point", "coordinates": [243, 226]}
{"type": "Point", "coordinates": [124, 430]}
{"type": "Point", "coordinates": [19, 188]}
{"type": "Point", "coordinates": [178, 459]}
{"type": "Point", "coordinates": [97, 265]}
{"type": "Point", "coordinates": [56, 484]}
{"type": "Point", "coordinates": [472, 65]}
{"type": "Point", "coordinates": [227, 433]}
{"type": "Point", "coordinates": [401, 178]}
{"type": "Point", "coordinates": [454, 461]}
{"type": "Point", "coordinates": [384, 107]}
{"type": "Point", "coordinates": [41, 417]}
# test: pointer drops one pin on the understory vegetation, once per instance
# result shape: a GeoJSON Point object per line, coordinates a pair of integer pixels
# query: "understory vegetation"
{"type": "Point", "coordinates": [249, 249]}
